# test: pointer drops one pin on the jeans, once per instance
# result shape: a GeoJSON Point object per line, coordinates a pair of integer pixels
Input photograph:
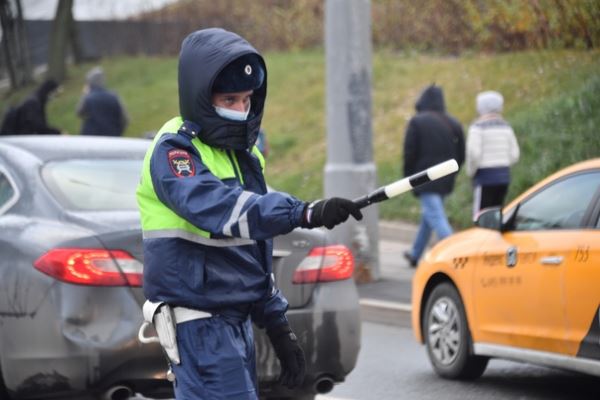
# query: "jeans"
{"type": "Point", "coordinates": [433, 218]}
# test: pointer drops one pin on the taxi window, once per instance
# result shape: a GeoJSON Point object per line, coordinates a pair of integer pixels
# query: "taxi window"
{"type": "Point", "coordinates": [561, 205]}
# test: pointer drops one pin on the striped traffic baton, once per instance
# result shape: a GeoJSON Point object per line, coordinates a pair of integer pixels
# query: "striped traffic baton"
{"type": "Point", "coordinates": [407, 184]}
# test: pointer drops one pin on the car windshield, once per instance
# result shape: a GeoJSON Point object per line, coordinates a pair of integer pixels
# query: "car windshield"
{"type": "Point", "coordinates": [94, 184]}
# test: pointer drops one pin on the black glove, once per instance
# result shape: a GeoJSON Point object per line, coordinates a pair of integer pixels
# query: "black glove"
{"type": "Point", "coordinates": [290, 355]}
{"type": "Point", "coordinates": [329, 212]}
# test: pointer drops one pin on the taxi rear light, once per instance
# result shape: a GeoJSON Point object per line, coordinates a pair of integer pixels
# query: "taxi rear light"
{"type": "Point", "coordinates": [92, 267]}
{"type": "Point", "coordinates": [325, 264]}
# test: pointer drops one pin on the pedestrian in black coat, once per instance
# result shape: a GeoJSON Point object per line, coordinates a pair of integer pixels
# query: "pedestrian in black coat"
{"type": "Point", "coordinates": [31, 114]}
{"type": "Point", "coordinates": [432, 136]}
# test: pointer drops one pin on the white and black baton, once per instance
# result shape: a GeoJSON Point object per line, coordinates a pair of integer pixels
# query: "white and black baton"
{"type": "Point", "coordinates": [404, 185]}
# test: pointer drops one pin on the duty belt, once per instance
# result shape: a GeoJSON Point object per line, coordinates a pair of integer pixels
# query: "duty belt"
{"type": "Point", "coordinates": [184, 314]}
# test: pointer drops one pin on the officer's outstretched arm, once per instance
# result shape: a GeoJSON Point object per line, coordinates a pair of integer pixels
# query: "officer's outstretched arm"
{"type": "Point", "coordinates": [184, 184]}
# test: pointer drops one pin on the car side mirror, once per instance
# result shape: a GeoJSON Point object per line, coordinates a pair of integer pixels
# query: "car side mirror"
{"type": "Point", "coordinates": [490, 218]}
{"type": "Point", "coordinates": [510, 219]}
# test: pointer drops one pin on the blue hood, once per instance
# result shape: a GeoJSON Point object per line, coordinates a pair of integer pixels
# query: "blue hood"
{"type": "Point", "coordinates": [203, 55]}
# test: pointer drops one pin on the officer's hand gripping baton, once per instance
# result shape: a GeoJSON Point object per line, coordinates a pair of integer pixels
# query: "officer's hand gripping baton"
{"type": "Point", "coordinates": [404, 185]}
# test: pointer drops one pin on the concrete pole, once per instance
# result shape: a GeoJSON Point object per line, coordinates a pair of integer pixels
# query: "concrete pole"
{"type": "Point", "coordinates": [350, 171]}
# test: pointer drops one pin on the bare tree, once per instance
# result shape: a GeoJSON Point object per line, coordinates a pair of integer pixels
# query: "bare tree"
{"type": "Point", "coordinates": [63, 38]}
{"type": "Point", "coordinates": [14, 43]}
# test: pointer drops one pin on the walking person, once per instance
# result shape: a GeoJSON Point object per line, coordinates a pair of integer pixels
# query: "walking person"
{"type": "Point", "coordinates": [29, 118]}
{"type": "Point", "coordinates": [432, 136]}
{"type": "Point", "coordinates": [208, 223]}
{"type": "Point", "coordinates": [101, 110]}
{"type": "Point", "coordinates": [492, 149]}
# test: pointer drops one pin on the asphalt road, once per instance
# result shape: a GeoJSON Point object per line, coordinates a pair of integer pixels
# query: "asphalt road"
{"type": "Point", "coordinates": [392, 366]}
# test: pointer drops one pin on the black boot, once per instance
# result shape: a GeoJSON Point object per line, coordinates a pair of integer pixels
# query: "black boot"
{"type": "Point", "coordinates": [411, 261]}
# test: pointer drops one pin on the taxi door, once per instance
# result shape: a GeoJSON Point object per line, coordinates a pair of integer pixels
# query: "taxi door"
{"type": "Point", "coordinates": [518, 294]}
{"type": "Point", "coordinates": [582, 285]}
{"type": "Point", "coordinates": [520, 287]}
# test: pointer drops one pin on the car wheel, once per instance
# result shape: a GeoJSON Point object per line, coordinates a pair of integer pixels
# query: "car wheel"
{"type": "Point", "coordinates": [447, 336]}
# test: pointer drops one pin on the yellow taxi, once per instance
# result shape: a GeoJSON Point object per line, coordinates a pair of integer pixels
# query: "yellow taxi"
{"type": "Point", "coordinates": [523, 284]}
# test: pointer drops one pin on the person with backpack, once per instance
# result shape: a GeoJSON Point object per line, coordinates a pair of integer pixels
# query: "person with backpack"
{"type": "Point", "coordinates": [29, 118]}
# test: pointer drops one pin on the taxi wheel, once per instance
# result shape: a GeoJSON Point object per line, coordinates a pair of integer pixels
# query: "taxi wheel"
{"type": "Point", "coordinates": [447, 337]}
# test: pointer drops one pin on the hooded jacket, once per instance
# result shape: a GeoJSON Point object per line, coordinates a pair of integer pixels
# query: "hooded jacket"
{"type": "Point", "coordinates": [203, 55]}
{"type": "Point", "coordinates": [207, 219]}
{"type": "Point", "coordinates": [31, 115]}
{"type": "Point", "coordinates": [101, 110]}
{"type": "Point", "coordinates": [432, 136]}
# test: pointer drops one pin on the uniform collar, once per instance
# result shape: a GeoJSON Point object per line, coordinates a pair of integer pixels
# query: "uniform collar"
{"type": "Point", "coordinates": [190, 128]}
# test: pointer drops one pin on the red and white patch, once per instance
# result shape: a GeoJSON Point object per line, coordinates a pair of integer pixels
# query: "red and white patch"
{"type": "Point", "coordinates": [181, 163]}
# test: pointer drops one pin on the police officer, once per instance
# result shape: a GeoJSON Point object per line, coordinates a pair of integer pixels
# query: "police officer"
{"type": "Point", "coordinates": [208, 223]}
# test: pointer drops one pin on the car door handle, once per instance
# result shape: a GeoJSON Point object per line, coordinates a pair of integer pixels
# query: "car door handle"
{"type": "Point", "coordinates": [552, 260]}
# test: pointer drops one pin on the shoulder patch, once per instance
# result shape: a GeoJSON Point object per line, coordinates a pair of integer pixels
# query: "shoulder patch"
{"type": "Point", "coordinates": [181, 163]}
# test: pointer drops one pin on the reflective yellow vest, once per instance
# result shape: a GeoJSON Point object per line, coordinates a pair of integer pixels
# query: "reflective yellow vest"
{"type": "Point", "coordinates": [156, 217]}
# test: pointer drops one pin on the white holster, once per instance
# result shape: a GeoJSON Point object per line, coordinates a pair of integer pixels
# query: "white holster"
{"type": "Point", "coordinates": [164, 318]}
{"type": "Point", "coordinates": [161, 315]}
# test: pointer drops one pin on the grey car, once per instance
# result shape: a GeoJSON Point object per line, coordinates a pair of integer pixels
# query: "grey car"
{"type": "Point", "coordinates": [70, 280]}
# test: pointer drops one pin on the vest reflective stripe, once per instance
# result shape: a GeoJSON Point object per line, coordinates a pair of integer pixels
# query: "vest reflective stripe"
{"type": "Point", "coordinates": [181, 234]}
{"type": "Point", "coordinates": [235, 214]}
{"type": "Point", "coordinates": [156, 217]}
{"type": "Point", "coordinates": [244, 227]}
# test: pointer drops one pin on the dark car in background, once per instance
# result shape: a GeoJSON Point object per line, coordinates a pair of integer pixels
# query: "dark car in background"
{"type": "Point", "coordinates": [71, 267]}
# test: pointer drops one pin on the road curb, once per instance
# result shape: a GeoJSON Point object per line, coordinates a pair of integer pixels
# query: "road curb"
{"type": "Point", "coordinates": [386, 312]}
{"type": "Point", "coordinates": [397, 231]}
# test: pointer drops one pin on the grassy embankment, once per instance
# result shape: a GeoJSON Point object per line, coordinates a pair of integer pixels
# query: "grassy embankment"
{"type": "Point", "coordinates": [552, 99]}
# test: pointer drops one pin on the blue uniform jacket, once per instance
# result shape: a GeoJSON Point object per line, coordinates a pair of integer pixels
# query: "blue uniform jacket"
{"type": "Point", "coordinates": [218, 278]}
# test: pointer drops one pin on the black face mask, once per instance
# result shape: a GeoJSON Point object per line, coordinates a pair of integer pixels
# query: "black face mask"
{"type": "Point", "coordinates": [232, 135]}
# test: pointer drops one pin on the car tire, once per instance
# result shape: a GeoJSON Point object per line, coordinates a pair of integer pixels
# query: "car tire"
{"type": "Point", "coordinates": [447, 336]}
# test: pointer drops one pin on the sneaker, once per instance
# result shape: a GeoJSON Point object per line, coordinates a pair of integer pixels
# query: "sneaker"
{"type": "Point", "coordinates": [411, 261]}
